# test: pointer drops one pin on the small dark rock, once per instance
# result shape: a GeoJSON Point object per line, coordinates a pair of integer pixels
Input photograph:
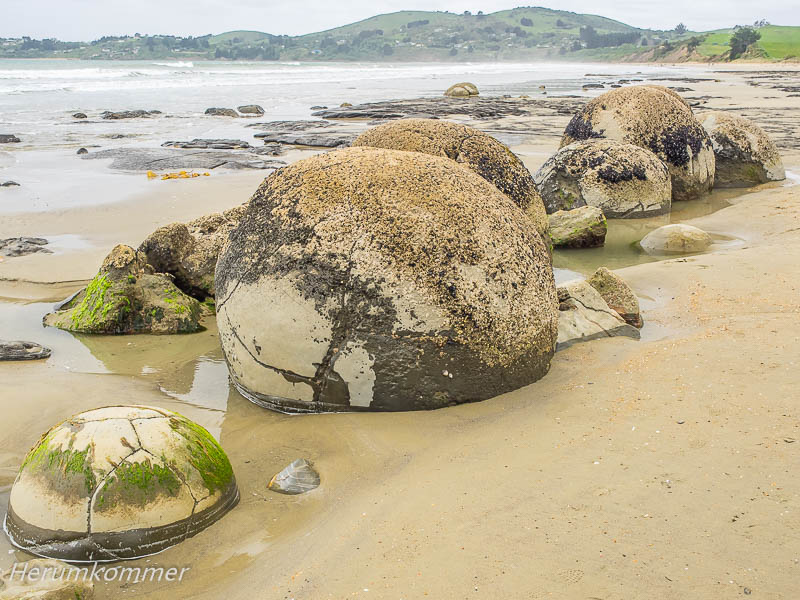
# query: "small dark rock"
{"type": "Point", "coordinates": [82, 151]}
{"type": "Point", "coordinates": [318, 107]}
{"type": "Point", "coordinates": [251, 109]}
{"type": "Point", "coordinates": [593, 86]}
{"type": "Point", "coordinates": [208, 144]}
{"type": "Point", "coordinates": [9, 184]}
{"type": "Point", "coordinates": [79, 115]}
{"type": "Point", "coordinates": [9, 138]}
{"type": "Point", "coordinates": [21, 246]}
{"type": "Point", "coordinates": [128, 114]}
{"type": "Point", "coordinates": [18, 350]}
{"type": "Point", "coordinates": [221, 112]}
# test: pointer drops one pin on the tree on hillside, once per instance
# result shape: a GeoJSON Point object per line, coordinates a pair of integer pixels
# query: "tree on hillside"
{"type": "Point", "coordinates": [742, 39]}
{"type": "Point", "coordinates": [526, 22]}
{"type": "Point", "coordinates": [680, 29]}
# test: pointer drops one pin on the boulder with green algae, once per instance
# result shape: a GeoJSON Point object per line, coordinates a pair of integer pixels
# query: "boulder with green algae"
{"type": "Point", "coordinates": [374, 279]}
{"type": "Point", "coordinates": [583, 227]}
{"type": "Point", "coordinates": [119, 482]}
{"type": "Point", "coordinates": [126, 296]}
{"type": "Point", "coordinates": [476, 150]}
{"type": "Point", "coordinates": [45, 579]}
{"type": "Point", "coordinates": [189, 251]}
{"type": "Point", "coordinates": [464, 89]}
{"type": "Point", "coordinates": [658, 121]}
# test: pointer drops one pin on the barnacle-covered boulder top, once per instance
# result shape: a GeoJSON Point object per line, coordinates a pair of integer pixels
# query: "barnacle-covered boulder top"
{"type": "Point", "coordinates": [744, 152]}
{"type": "Point", "coordinates": [476, 150]}
{"type": "Point", "coordinates": [373, 279]}
{"type": "Point", "coordinates": [654, 119]}
{"type": "Point", "coordinates": [623, 180]}
{"type": "Point", "coordinates": [117, 483]}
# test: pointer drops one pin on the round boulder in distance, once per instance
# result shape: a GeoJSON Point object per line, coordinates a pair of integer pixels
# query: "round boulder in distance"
{"type": "Point", "coordinates": [654, 119]}
{"type": "Point", "coordinates": [476, 150]}
{"type": "Point", "coordinates": [373, 279]}
{"type": "Point", "coordinates": [745, 155]}
{"type": "Point", "coordinates": [464, 89]}
{"type": "Point", "coordinates": [119, 482]}
{"type": "Point", "coordinates": [623, 180]}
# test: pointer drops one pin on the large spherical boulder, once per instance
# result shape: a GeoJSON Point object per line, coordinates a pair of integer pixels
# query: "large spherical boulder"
{"type": "Point", "coordinates": [476, 150]}
{"type": "Point", "coordinates": [373, 279]}
{"type": "Point", "coordinates": [117, 483]}
{"type": "Point", "coordinates": [654, 119]}
{"type": "Point", "coordinates": [623, 180]}
{"type": "Point", "coordinates": [745, 155]}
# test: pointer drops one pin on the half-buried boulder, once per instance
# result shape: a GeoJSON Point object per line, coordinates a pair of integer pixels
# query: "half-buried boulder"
{"type": "Point", "coordinates": [189, 251]}
{"type": "Point", "coordinates": [462, 90]}
{"type": "Point", "coordinates": [618, 295]}
{"type": "Point", "coordinates": [623, 180]}
{"type": "Point", "coordinates": [584, 316]}
{"type": "Point", "coordinates": [476, 150]}
{"type": "Point", "coordinates": [118, 483]}
{"type": "Point", "coordinates": [584, 227]}
{"type": "Point", "coordinates": [745, 155]}
{"type": "Point", "coordinates": [677, 238]}
{"type": "Point", "coordinates": [373, 279]}
{"type": "Point", "coordinates": [654, 119]}
{"type": "Point", "coordinates": [126, 296]}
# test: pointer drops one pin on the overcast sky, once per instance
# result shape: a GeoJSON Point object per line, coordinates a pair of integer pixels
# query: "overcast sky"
{"type": "Point", "coordinates": [89, 19]}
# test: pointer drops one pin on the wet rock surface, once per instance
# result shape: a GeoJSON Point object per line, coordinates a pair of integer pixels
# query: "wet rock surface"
{"type": "Point", "coordinates": [159, 159]}
{"type": "Point", "coordinates": [204, 144]}
{"type": "Point", "coordinates": [9, 184]}
{"type": "Point", "coordinates": [221, 112]}
{"type": "Point", "coordinates": [333, 297]}
{"type": "Point", "coordinates": [298, 477]}
{"type": "Point", "coordinates": [678, 238]}
{"type": "Point", "coordinates": [468, 146]}
{"type": "Point", "coordinates": [651, 118]}
{"type": "Point", "coordinates": [745, 155]}
{"type": "Point", "coordinates": [7, 138]}
{"type": "Point", "coordinates": [45, 579]}
{"type": "Point", "coordinates": [128, 114]}
{"type": "Point", "coordinates": [251, 109]}
{"type": "Point", "coordinates": [189, 251]}
{"type": "Point", "coordinates": [623, 180]}
{"type": "Point", "coordinates": [583, 227]}
{"type": "Point", "coordinates": [20, 350]}
{"type": "Point", "coordinates": [618, 295]}
{"type": "Point", "coordinates": [79, 115]}
{"type": "Point", "coordinates": [126, 296]}
{"type": "Point", "coordinates": [584, 316]}
{"type": "Point", "coordinates": [318, 140]}
{"type": "Point", "coordinates": [22, 246]}
{"type": "Point", "coordinates": [119, 482]}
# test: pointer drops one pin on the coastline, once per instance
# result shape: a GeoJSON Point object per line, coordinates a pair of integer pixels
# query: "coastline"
{"type": "Point", "coordinates": [659, 468]}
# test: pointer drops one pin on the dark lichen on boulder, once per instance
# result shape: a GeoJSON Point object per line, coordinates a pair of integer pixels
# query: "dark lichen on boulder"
{"type": "Point", "coordinates": [126, 296]}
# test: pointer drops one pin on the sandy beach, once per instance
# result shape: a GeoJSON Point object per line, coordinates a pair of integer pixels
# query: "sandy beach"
{"type": "Point", "coordinates": [661, 468]}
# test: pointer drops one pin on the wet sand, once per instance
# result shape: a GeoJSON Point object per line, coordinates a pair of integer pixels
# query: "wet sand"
{"type": "Point", "coordinates": [663, 468]}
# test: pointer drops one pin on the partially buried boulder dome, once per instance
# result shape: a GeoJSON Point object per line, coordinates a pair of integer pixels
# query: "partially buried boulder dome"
{"type": "Point", "coordinates": [117, 483]}
{"type": "Point", "coordinates": [373, 279]}
{"type": "Point", "coordinates": [654, 119]}
{"type": "Point", "coordinates": [623, 180]}
{"type": "Point", "coordinates": [476, 150]}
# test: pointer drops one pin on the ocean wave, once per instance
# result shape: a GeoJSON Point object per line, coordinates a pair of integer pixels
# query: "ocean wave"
{"type": "Point", "coordinates": [177, 64]}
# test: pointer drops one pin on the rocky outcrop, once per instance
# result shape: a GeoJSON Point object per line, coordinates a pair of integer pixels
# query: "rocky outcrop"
{"type": "Point", "coordinates": [45, 579]}
{"type": "Point", "coordinates": [623, 180]}
{"type": "Point", "coordinates": [653, 119]}
{"type": "Point", "coordinates": [221, 112]}
{"type": "Point", "coordinates": [18, 350]}
{"type": "Point", "coordinates": [745, 155]}
{"type": "Point", "coordinates": [313, 140]}
{"type": "Point", "coordinates": [462, 90]}
{"type": "Point", "coordinates": [618, 295]}
{"type": "Point", "coordinates": [128, 114]}
{"type": "Point", "coordinates": [161, 159]}
{"type": "Point", "coordinates": [8, 138]}
{"type": "Point", "coordinates": [216, 144]}
{"type": "Point", "coordinates": [676, 239]}
{"type": "Point", "coordinates": [373, 279]}
{"type": "Point", "coordinates": [476, 150]}
{"type": "Point", "coordinates": [117, 483]}
{"type": "Point", "coordinates": [584, 316]}
{"type": "Point", "coordinates": [583, 227]}
{"type": "Point", "coordinates": [21, 246]}
{"type": "Point", "coordinates": [126, 296]}
{"type": "Point", "coordinates": [189, 251]}
{"type": "Point", "coordinates": [251, 109]}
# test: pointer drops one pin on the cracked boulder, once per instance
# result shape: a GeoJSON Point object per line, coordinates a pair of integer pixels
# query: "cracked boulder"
{"type": "Point", "coordinates": [622, 180]}
{"type": "Point", "coordinates": [126, 296]}
{"type": "Point", "coordinates": [584, 316]}
{"type": "Point", "coordinates": [654, 119]}
{"type": "Point", "coordinates": [189, 251]}
{"type": "Point", "coordinates": [618, 295]}
{"type": "Point", "coordinates": [373, 279]}
{"type": "Point", "coordinates": [474, 149]}
{"type": "Point", "coordinates": [745, 155]}
{"type": "Point", "coordinates": [119, 482]}
{"type": "Point", "coordinates": [584, 227]}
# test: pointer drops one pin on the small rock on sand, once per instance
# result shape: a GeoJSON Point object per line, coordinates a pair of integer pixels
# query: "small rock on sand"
{"type": "Point", "coordinates": [297, 478]}
{"type": "Point", "coordinates": [20, 246]}
{"type": "Point", "coordinates": [19, 350]}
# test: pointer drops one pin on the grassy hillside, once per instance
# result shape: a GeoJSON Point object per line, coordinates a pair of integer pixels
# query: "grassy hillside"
{"type": "Point", "coordinates": [519, 34]}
